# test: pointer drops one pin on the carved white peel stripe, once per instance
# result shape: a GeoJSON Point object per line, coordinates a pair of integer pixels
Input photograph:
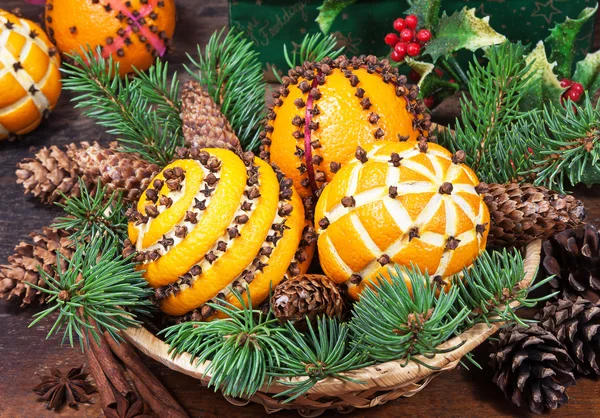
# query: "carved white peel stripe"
{"type": "Point", "coordinates": [430, 209]}
{"type": "Point", "coordinates": [366, 238]}
{"type": "Point", "coordinates": [360, 199]}
{"type": "Point", "coordinates": [398, 212]}
{"type": "Point", "coordinates": [393, 175]}
{"type": "Point", "coordinates": [353, 183]}
{"type": "Point", "coordinates": [15, 105]}
{"type": "Point", "coordinates": [409, 153]}
{"type": "Point", "coordinates": [462, 203]}
{"type": "Point", "coordinates": [21, 76]}
{"type": "Point", "coordinates": [336, 257]}
{"type": "Point", "coordinates": [437, 167]}
{"type": "Point", "coordinates": [419, 168]}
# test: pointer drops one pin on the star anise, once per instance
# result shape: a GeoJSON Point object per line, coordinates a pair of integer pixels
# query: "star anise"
{"type": "Point", "coordinates": [57, 388]}
{"type": "Point", "coordinates": [128, 406]}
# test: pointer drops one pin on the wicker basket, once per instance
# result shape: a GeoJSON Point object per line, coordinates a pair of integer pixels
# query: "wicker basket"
{"type": "Point", "coordinates": [378, 383]}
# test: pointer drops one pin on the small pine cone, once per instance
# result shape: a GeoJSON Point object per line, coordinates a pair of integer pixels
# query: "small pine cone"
{"type": "Point", "coordinates": [54, 171]}
{"type": "Point", "coordinates": [204, 126]}
{"type": "Point", "coordinates": [23, 265]}
{"type": "Point", "coordinates": [304, 297]}
{"type": "Point", "coordinates": [573, 257]}
{"type": "Point", "coordinates": [521, 213]}
{"type": "Point", "coordinates": [532, 368]}
{"type": "Point", "coordinates": [576, 325]}
{"type": "Point", "coordinates": [51, 172]}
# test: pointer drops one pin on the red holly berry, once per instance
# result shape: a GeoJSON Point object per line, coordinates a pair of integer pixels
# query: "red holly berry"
{"type": "Point", "coordinates": [407, 35]}
{"type": "Point", "coordinates": [391, 39]}
{"type": "Point", "coordinates": [414, 76]}
{"type": "Point", "coordinates": [413, 49]}
{"type": "Point", "coordinates": [429, 102]}
{"type": "Point", "coordinates": [565, 82]}
{"type": "Point", "coordinates": [424, 35]}
{"type": "Point", "coordinates": [573, 95]}
{"type": "Point", "coordinates": [452, 80]}
{"type": "Point", "coordinates": [400, 48]}
{"type": "Point", "coordinates": [396, 56]}
{"type": "Point", "coordinates": [439, 72]}
{"type": "Point", "coordinates": [578, 87]}
{"type": "Point", "coordinates": [399, 24]}
{"type": "Point", "coordinates": [411, 21]}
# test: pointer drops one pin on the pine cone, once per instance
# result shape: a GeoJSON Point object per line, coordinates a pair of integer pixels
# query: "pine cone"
{"type": "Point", "coordinates": [55, 170]}
{"type": "Point", "coordinates": [576, 325]}
{"type": "Point", "coordinates": [573, 256]}
{"type": "Point", "coordinates": [23, 265]}
{"type": "Point", "coordinates": [532, 368]}
{"type": "Point", "coordinates": [521, 213]}
{"type": "Point", "coordinates": [304, 297]}
{"type": "Point", "coordinates": [204, 126]}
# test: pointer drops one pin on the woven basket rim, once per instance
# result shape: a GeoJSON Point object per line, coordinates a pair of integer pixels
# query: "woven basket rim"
{"type": "Point", "coordinates": [383, 376]}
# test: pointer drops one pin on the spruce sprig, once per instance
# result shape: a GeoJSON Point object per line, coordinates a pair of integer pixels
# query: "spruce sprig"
{"type": "Point", "coordinates": [564, 144]}
{"type": "Point", "coordinates": [142, 112]}
{"type": "Point", "coordinates": [98, 291]}
{"type": "Point", "coordinates": [98, 215]}
{"type": "Point", "coordinates": [314, 47]}
{"type": "Point", "coordinates": [495, 89]}
{"type": "Point", "coordinates": [241, 347]}
{"type": "Point", "coordinates": [231, 72]}
{"type": "Point", "coordinates": [489, 287]}
{"type": "Point", "coordinates": [315, 355]}
{"type": "Point", "coordinates": [392, 322]}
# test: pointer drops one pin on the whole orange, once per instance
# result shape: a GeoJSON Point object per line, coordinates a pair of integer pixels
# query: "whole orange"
{"type": "Point", "coordinates": [405, 203]}
{"type": "Point", "coordinates": [324, 110]}
{"type": "Point", "coordinates": [134, 32]}
{"type": "Point", "coordinates": [221, 223]}
{"type": "Point", "coordinates": [29, 75]}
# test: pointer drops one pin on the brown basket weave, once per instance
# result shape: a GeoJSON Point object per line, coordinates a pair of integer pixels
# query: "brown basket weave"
{"type": "Point", "coordinates": [378, 383]}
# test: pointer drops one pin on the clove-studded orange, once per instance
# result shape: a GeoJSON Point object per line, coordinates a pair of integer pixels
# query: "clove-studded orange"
{"type": "Point", "coordinates": [400, 202]}
{"type": "Point", "coordinates": [218, 223]}
{"type": "Point", "coordinates": [324, 110]}
{"type": "Point", "coordinates": [29, 75]}
{"type": "Point", "coordinates": [134, 32]}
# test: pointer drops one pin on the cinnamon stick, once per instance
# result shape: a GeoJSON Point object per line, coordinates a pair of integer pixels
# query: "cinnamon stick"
{"type": "Point", "coordinates": [112, 369]}
{"type": "Point", "coordinates": [104, 387]}
{"type": "Point", "coordinates": [143, 378]}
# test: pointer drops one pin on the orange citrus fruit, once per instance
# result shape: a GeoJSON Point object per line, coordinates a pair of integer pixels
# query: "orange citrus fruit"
{"type": "Point", "coordinates": [325, 110]}
{"type": "Point", "coordinates": [207, 227]}
{"type": "Point", "coordinates": [134, 32]}
{"type": "Point", "coordinates": [29, 75]}
{"type": "Point", "coordinates": [407, 203]}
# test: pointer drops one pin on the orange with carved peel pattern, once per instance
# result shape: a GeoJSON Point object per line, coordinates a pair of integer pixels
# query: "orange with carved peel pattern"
{"type": "Point", "coordinates": [324, 110]}
{"type": "Point", "coordinates": [221, 223]}
{"type": "Point", "coordinates": [405, 203]}
{"type": "Point", "coordinates": [134, 32]}
{"type": "Point", "coordinates": [29, 75]}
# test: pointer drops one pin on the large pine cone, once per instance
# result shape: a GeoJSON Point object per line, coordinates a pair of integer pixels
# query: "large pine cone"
{"type": "Point", "coordinates": [573, 257]}
{"type": "Point", "coordinates": [576, 325]}
{"type": "Point", "coordinates": [23, 265]}
{"type": "Point", "coordinates": [532, 368]}
{"type": "Point", "coordinates": [54, 171]}
{"type": "Point", "coordinates": [521, 213]}
{"type": "Point", "coordinates": [204, 126]}
{"type": "Point", "coordinates": [304, 297]}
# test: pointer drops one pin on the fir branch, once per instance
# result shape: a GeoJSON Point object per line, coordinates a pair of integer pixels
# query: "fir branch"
{"type": "Point", "coordinates": [316, 355]}
{"type": "Point", "coordinates": [564, 142]}
{"type": "Point", "coordinates": [488, 116]}
{"type": "Point", "coordinates": [490, 285]}
{"type": "Point", "coordinates": [98, 291]}
{"type": "Point", "coordinates": [314, 47]}
{"type": "Point", "coordinates": [142, 112]}
{"type": "Point", "coordinates": [232, 74]}
{"type": "Point", "coordinates": [241, 347]}
{"type": "Point", "coordinates": [96, 215]}
{"type": "Point", "coordinates": [392, 322]}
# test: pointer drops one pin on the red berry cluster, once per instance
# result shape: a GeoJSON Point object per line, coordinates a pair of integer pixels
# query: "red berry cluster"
{"type": "Point", "coordinates": [410, 41]}
{"type": "Point", "coordinates": [574, 92]}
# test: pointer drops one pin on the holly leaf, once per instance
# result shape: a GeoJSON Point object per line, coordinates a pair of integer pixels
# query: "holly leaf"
{"type": "Point", "coordinates": [428, 12]}
{"type": "Point", "coordinates": [462, 30]}
{"type": "Point", "coordinates": [328, 11]}
{"type": "Point", "coordinates": [587, 72]}
{"type": "Point", "coordinates": [430, 83]}
{"type": "Point", "coordinates": [543, 84]}
{"type": "Point", "coordinates": [562, 41]}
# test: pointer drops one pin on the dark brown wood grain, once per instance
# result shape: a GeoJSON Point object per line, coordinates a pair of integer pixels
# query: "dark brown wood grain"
{"type": "Point", "coordinates": [25, 352]}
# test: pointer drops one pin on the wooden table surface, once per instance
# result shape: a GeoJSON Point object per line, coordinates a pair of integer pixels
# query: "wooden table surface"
{"type": "Point", "coordinates": [25, 352]}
